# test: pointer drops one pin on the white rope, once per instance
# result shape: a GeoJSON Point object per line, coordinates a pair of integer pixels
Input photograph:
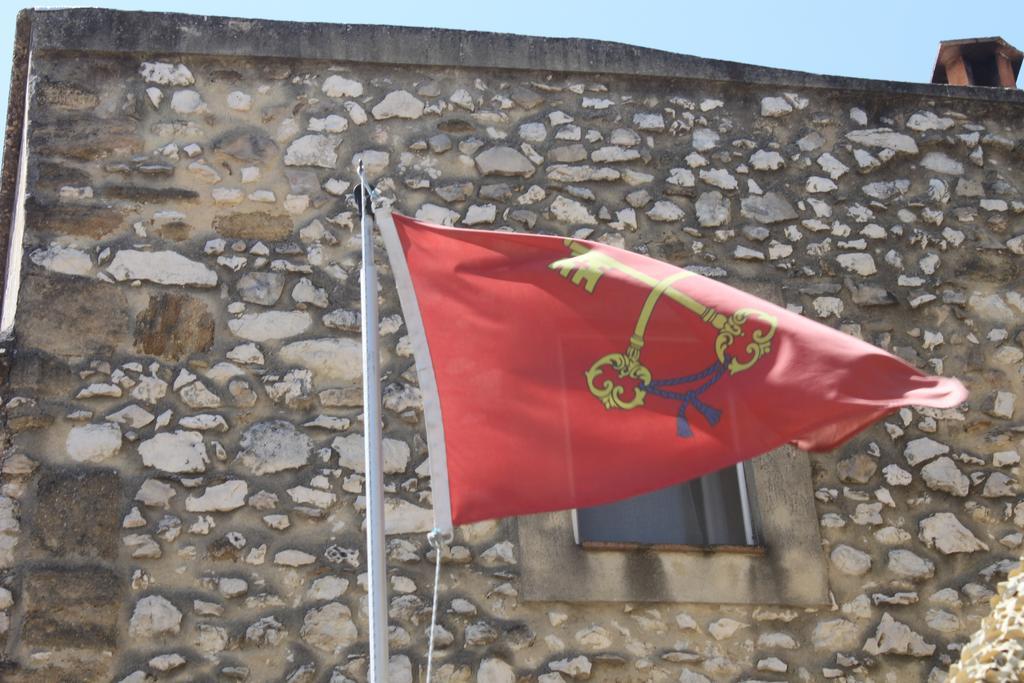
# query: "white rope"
{"type": "Point", "coordinates": [437, 540]}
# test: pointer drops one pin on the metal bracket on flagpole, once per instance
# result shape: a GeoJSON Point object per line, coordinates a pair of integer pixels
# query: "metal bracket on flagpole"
{"type": "Point", "coordinates": [377, 590]}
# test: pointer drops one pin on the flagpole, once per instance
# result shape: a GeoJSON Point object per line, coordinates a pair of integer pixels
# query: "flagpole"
{"type": "Point", "coordinates": [377, 591]}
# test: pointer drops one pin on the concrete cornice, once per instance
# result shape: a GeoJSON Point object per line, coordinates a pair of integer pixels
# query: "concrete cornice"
{"type": "Point", "coordinates": [153, 33]}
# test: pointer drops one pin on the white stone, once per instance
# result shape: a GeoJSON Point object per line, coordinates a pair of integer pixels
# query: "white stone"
{"type": "Point", "coordinates": [196, 395]}
{"type": "Point", "coordinates": [885, 138]}
{"type": "Point", "coordinates": [162, 73]}
{"type": "Point", "coordinates": [339, 86]}
{"type": "Point", "coordinates": [274, 446]}
{"type": "Point", "coordinates": [826, 306]}
{"type": "Point", "coordinates": [155, 493]}
{"type": "Point", "coordinates": [908, 565]}
{"type": "Point", "coordinates": [773, 665]}
{"type": "Point", "coordinates": [313, 150]}
{"type": "Point", "coordinates": [992, 307]}
{"type": "Point", "coordinates": [293, 558]}
{"type": "Point", "coordinates": [725, 628]}
{"type": "Point", "coordinates": [571, 211]}
{"type": "Point", "coordinates": [395, 453]}
{"type": "Point", "coordinates": [327, 588]}
{"type": "Point", "coordinates": [1003, 404]}
{"type": "Point", "coordinates": [504, 161]}
{"type": "Point", "coordinates": [649, 122]}
{"type": "Point", "coordinates": [720, 178]}
{"type": "Point", "coordinates": [477, 214]}
{"type": "Point", "coordinates": [305, 292]}
{"type": "Point", "coordinates": [832, 166]}
{"type": "Point", "coordinates": [860, 263]}
{"type": "Point", "coordinates": [60, 259]}
{"type": "Point", "coordinates": [817, 184]}
{"type": "Point", "coordinates": [334, 358]}
{"type": "Point", "coordinates": [303, 495]}
{"type": "Point", "coordinates": [187, 102]}
{"type": "Point", "coordinates": [329, 628]}
{"type": "Point", "coordinates": [896, 475]}
{"type": "Point", "coordinates": [577, 667]}
{"type": "Point", "coordinates": [665, 211]}
{"type": "Point", "coordinates": [712, 209]}
{"type": "Point", "coordinates": [705, 139]}
{"type": "Point", "coordinates": [239, 101]}
{"type": "Point", "coordinates": [180, 451]}
{"type": "Point", "coordinates": [893, 637]}
{"type": "Point", "coordinates": [769, 208]}
{"type": "Point", "coordinates": [495, 671]}
{"type": "Point", "coordinates": [439, 215]}
{"type": "Point", "coordinates": [398, 104]}
{"type": "Point", "coordinates": [462, 98]}
{"type": "Point", "coordinates": [923, 449]}
{"type": "Point", "coordinates": [220, 498]}
{"type": "Point", "coordinates": [941, 163]}
{"type": "Point", "coordinates": [925, 120]}
{"type": "Point", "coordinates": [774, 107]}
{"type": "Point", "coordinates": [270, 325]}
{"type": "Point", "coordinates": [835, 635]}
{"type": "Point", "coordinates": [93, 442]}
{"type": "Point", "coordinates": [1005, 458]}
{"type": "Point", "coordinates": [887, 189]}
{"type": "Point", "coordinates": [402, 517]}
{"type": "Point", "coordinates": [942, 474]}
{"type": "Point", "coordinates": [161, 267]}
{"type": "Point", "coordinates": [154, 615]}
{"type": "Point", "coordinates": [945, 532]}
{"type": "Point", "coordinates": [765, 160]}
{"type": "Point", "coordinates": [850, 560]}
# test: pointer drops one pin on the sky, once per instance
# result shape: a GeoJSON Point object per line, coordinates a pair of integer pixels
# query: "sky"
{"type": "Point", "coordinates": [889, 40]}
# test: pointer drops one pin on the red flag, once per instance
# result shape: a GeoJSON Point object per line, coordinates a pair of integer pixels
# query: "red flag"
{"type": "Point", "coordinates": [560, 373]}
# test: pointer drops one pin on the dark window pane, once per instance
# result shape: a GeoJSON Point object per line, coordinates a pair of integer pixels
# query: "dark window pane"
{"type": "Point", "coordinates": [707, 511]}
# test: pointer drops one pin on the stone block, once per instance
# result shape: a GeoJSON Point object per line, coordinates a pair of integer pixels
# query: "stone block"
{"type": "Point", "coordinates": [43, 374]}
{"type": "Point", "coordinates": [77, 220]}
{"type": "Point", "coordinates": [72, 317]}
{"type": "Point", "coordinates": [255, 225]}
{"type": "Point", "coordinates": [92, 139]}
{"type": "Point", "coordinates": [77, 513]}
{"type": "Point", "coordinates": [71, 606]}
{"type": "Point", "coordinates": [147, 195]}
{"type": "Point", "coordinates": [174, 326]}
{"type": "Point", "coordinates": [64, 95]}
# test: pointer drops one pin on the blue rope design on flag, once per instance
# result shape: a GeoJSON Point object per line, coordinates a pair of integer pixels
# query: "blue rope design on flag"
{"type": "Point", "coordinates": [691, 397]}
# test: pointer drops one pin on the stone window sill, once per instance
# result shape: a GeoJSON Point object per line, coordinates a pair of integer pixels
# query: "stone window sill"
{"type": "Point", "coordinates": [789, 568]}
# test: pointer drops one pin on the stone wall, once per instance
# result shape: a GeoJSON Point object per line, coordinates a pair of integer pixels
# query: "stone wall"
{"type": "Point", "coordinates": [182, 487]}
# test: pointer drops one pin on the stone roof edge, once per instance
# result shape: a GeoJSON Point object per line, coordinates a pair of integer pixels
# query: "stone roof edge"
{"type": "Point", "coordinates": [159, 33]}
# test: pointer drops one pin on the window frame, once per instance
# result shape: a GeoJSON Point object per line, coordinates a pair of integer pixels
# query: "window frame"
{"type": "Point", "coordinates": [790, 569]}
{"type": "Point", "coordinates": [751, 538]}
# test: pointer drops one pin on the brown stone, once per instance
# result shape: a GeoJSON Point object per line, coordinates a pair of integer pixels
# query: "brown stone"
{"type": "Point", "coordinates": [92, 138]}
{"type": "Point", "coordinates": [255, 225]}
{"type": "Point", "coordinates": [148, 195]}
{"type": "Point", "coordinates": [66, 96]}
{"type": "Point", "coordinates": [50, 176]}
{"type": "Point", "coordinates": [245, 144]}
{"type": "Point", "coordinates": [72, 317]}
{"type": "Point", "coordinates": [71, 606]}
{"type": "Point", "coordinates": [857, 469]}
{"type": "Point", "coordinates": [174, 326]}
{"type": "Point", "coordinates": [79, 220]}
{"type": "Point", "coordinates": [78, 513]}
{"type": "Point", "coordinates": [25, 417]}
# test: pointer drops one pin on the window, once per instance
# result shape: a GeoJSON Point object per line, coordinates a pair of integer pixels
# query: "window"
{"type": "Point", "coordinates": [787, 568]}
{"type": "Point", "coordinates": [713, 511]}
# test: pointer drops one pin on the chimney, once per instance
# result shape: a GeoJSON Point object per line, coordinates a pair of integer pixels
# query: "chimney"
{"type": "Point", "coordinates": [990, 62]}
